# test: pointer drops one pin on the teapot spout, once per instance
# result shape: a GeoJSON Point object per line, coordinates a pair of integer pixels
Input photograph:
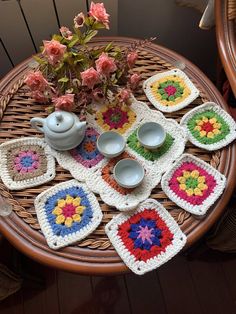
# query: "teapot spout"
{"type": "Point", "coordinates": [81, 126]}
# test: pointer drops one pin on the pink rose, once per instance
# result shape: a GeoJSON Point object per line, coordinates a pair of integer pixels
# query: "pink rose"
{"type": "Point", "coordinates": [105, 65]}
{"type": "Point", "coordinates": [36, 81]}
{"type": "Point", "coordinates": [134, 80]}
{"type": "Point", "coordinates": [90, 77]}
{"type": "Point", "coordinates": [53, 51]}
{"type": "Point", "coordinates": [125, 94]}
{"type": "Point", "coordinates": [65, 102]}
{"type": "Point", "coordinates": [98, 94]}
{"type": "Point", "coordinates": [98, 11]}
{"type": "Point", "coordinates": [131, 58]}
{"type": "Point", "coordinates": [79, 20]}
{"type": "Point", "coordinates": [66, 33]}
{"type": "Point", "coordinates": [39, 96]}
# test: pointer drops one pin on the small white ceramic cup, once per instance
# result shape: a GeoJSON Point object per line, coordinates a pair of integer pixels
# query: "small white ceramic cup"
{"type": "Point", "coordinates": [128, 173]}
{"type": "Point", "coordinates": [151, 135]}
{"type": "Point", "coordinates": [110, 144]}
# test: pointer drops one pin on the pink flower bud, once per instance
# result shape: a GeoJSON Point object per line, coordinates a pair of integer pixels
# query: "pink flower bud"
{"type": "Point", "coordinates": [66, 33]}
{"type": "Point", "coordinates": [125, 94]}
{"type": "Point", "coordinates": [98, 11]}
{"type": "Point", "coordinates": [36, 81]}
{"type": "Point", "coordinates": [131, 58]}
{"type": "Point", "coordinates": [53, 51]}
{"type": "Point", "coordinates": [39, 96]}
{"type": "Point", "coordinates": [65, 102]}
{"type": "Point", "coordinates": [98, 94]}
{"type": "Point", "coordinates": [134, 80]}
{"type": "Point", "coordinates": [105, 65]}
{"type": "Point", "coordinates": [79, 20]}
{"type": "Point", "coordinates": [90, 77]}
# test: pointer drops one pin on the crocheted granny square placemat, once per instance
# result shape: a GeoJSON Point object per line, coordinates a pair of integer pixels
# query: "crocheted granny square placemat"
{"type": "Point", "coordinates": [102, 182]}
{"type": "Point", "coordinates": [85, 163]}
{"type": "Point", "coordinates": [146, 238]}
{"type": "Point", "coordinates": [170, 90]}
{"type": "Point", "coordinates": [157, 160]}
{"type": "Point", "coordinates": [209, 126]}
{"type": "Point", "coordinates": [67, 213]}
{"type": "Point", "coordinates": [26, 162]}
{"type": "Point", "coordinates": [193, 184]}
{"type": "Point", "coordinates": [83, 160]}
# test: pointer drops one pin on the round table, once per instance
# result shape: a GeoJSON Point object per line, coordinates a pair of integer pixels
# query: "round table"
{"type": "Point", "coordinates": [95, 254]}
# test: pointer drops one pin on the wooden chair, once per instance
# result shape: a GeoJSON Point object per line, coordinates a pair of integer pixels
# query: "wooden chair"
{"type": "Point", "coordinates": [225, 13]}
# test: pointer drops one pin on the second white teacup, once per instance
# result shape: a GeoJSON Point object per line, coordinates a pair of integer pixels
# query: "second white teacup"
{"type": "Point", "coordinates": [151, 135]}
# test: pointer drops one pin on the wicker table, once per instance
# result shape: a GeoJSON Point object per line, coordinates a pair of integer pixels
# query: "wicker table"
{"type": "Point", "coordinates": [95, 255]}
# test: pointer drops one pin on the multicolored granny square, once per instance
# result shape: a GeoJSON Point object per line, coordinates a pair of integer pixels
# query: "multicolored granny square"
{"type": "Point", "coordinates": [102, 181]}
{"type": "Point", "coordinates": [67, 212]}
{"type": "Point", "coordinates": [151, 155]}
{"type": "Point", "coordinates": [209, 126]}
{"type": "Point", "coordinates": [159, 159]}
{"type": "Point", "coordinates": [146, 238]}
{"type": "Point", "coordinates": [170, 91]}
{"type": "Point", "coordinates": [193, 184]}
{"type": "Point", "coordinates": [84, 159]}
{"type": "Point", "coordinates": [115, 118]}
{"type": "Point", "coordinates": [26, 162]}
{"type": "Point", "coordinates": [85, 163]}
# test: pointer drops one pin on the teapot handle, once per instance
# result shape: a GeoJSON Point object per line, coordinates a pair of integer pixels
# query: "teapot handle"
{"type": "Point", "coordinates": [35, 121]}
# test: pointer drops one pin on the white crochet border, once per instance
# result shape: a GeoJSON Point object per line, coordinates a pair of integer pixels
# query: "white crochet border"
{"type": "Point", "coordinates": [194, 209]}
{"type": "Point", "coordinates": [141, 267]}
{"type": "Point", "coordinates": [54, 241]}
{"type": "Point", "coordinates": [172, 127]}
{"type": "Point", "coordinates": [27, 183]}
{"type": "Point", "coordinates": [147, 90]}
{"type": "Point", "coordinates": [154, 169]}
{"type": "Point", "coordinates": [221, 112]}
{"type": "Point", "coordinates": [123, 202]}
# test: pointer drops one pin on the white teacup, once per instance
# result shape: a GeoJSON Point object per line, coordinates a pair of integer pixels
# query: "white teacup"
{"type": "Point", "coordinates": [128, 173]}
{"type": "Point", "coordinates": [110, 144]}
{"type": "Point", "coordinates": [151, 135]}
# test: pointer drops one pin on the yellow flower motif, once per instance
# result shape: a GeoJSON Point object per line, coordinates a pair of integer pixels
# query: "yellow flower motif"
{"type": "Point", "coordinates": [68, 210]}
{"type": "Point", "coordinates": [180, 81]}
{"type": "Point", "coordinates": [192, 183]}
{"type": "Point", "coordinates": [207, 127]}
{"type": "Point", "coordinates": [106, 125]}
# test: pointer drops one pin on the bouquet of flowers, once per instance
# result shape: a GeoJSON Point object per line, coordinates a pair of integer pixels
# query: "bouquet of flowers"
{"type": "Point", "coordinates": [72, 76]}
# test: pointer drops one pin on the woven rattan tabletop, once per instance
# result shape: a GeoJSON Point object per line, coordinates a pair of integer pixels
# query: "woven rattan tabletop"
{"type": "Point", "coordinates": [95, 255]}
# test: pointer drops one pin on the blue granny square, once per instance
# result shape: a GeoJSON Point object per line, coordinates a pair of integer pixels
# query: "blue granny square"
{"type": "Point", "coordinates": [67, 213]}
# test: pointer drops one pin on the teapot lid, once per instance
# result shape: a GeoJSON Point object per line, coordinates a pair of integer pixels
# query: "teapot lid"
{"type": "Point", "coordinates": [60, 121]}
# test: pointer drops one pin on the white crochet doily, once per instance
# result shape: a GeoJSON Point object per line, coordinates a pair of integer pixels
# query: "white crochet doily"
{"type": "Point", "coordinates": [26, 162]}
{"type": "Point", "coordinates": [67, 213]}
{"type": "Point", "coordinates": [217, 119]}
{"type": "Point", "coordinates": [193, 184]}
{"type": "Point", "coordinates": [85, 163]}
{"type": "Point", "coordinates": [170, 91]}
{"type": "Point", "coordinates": [146, 238]}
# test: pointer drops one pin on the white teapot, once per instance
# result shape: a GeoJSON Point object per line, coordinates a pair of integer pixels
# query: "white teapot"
{"type": "Point", "coordinates": [62, 130]}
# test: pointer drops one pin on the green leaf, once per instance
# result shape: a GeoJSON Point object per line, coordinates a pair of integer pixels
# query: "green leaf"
{"type": "Point", "coordinates": [63, 79]}
{"type": "Point", "coordinates": [59, 67]}
{"type": "Point", "coordinates": [39, 60]}
{"type": "Point", "coordinates": [78, 61]}
{"type": "Point", "coordinates": [109, 47]}
{"type": "Point", "coordinates": [98, 25]}
{"type": "Point", "coordinates": [89, 36]}
{"type": "Point", "coordinates": [57, 37]}
{"type": "Point", "coordinates": [88, 21]}
{"type": "Point", "coordinates": [74, 40]}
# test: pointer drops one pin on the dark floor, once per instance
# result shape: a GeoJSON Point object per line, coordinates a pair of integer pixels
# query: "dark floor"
{"type": "Point", "coordinates": [201, 282]}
